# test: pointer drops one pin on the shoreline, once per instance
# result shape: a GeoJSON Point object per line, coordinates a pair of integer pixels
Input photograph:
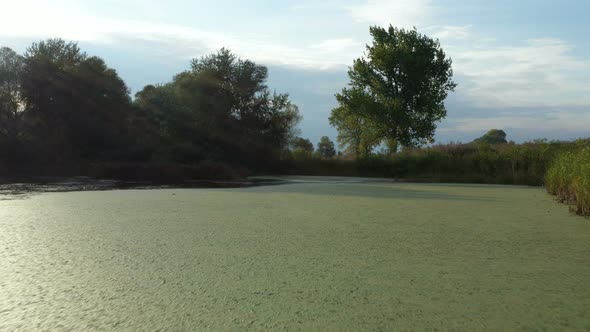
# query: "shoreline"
{"type": "Point", "coordinates": [28, 185]}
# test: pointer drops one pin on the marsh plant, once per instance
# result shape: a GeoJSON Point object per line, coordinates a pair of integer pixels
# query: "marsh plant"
{"type": "Point", "coordinates": [568, 177]}
{"type": "Point", "coordinates": [510, 163]}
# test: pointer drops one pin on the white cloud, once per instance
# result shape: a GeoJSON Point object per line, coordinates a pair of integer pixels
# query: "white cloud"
{"type": "Point", "coordinates": [399, 13]}
{"type": "Point", "coordinates": [542, 120]}
{"type": "Point", "coordinates": [450, 32]}
{"type": "Point", "coordinates": [540, 73]}
{"type": "Point", "coordinates": [337, 45]}
{"type": "Point", "coordinates": [168, 39]}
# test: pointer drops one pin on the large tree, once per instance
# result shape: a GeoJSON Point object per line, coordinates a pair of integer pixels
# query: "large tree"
{"type": "Point", "coordinates": [222, 109]}
{"type": "Point", "coordinates": [78, 105]}
{"type": "Point", "coordinates": [401, 85]}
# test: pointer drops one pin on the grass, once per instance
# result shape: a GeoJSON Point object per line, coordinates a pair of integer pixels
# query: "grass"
{"type": "Point", "coordinates": [569, 178]}
{"type": "Point", "coordinates": [313, 256]}
{"type": "Point", "coordinates": [520, 164]}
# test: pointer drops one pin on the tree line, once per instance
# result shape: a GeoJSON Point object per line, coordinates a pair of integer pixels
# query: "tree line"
{"type": "Point", "coordinates": [59, 106]}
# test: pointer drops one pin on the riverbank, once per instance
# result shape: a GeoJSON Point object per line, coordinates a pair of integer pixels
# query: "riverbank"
{"type": "Point", "coordinates": [28, 185]}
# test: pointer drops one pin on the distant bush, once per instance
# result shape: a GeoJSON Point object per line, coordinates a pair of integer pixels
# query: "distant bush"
{"type": "Point", "coordinates": [568, 177]}
{"type": "Point", "coordinates": [307, 164]}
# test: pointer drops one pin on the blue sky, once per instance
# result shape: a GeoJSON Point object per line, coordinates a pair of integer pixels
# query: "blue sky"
{"type": "Point", "coordinates": [522, 66]}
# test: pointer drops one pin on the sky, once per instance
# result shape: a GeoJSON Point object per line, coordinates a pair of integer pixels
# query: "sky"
{"type": "Point", "coordinates": [521, 66]}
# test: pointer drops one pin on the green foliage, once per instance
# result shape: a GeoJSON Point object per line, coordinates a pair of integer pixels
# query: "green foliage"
{"type": "Point", "coordinates": [494, 136]}
{"type": "Point", "coordinates": [302, 144]}
{"type": "Point", "coordinates": [357, 135]}
{"type": "Point", "coordinates": [401, 86]}
{"type": "Point", "coordinates": [62, 107]}
{"type": "Point", "coordinates": [304, 164]}
{"type": "Point", "coordinates": [76, 105]}
{"type": "Point", "coordinates": [166, 172]}
{"type": "Point", "coordinates": [326, 147]}
{"type": "Point", "coordinates": [221, 109]}
{"type": "Point", "coordinates": [569, 177]}
{"type": "Point", "coordinates": [523, 164]}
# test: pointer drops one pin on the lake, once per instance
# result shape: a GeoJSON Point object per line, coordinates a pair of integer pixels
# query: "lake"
{"type": "Point", "coordinates": [322, 254]}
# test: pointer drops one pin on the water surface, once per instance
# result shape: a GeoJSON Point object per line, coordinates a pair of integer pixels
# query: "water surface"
{"type": "Point", "coordinates": [336, 255]}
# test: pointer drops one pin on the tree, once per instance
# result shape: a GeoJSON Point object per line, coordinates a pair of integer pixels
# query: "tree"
{"type": "Point", "coordinates": [302, 144]}
{"type": "Point", "coordinates": [278, 118]}
{"type": "Point", "coordinates": [100, 110]}
{"type": "Point", "coordinates": [494, 136]}
{"type": "Point", "coordinates": [78, 105]}
{"type": "Point", "coordinates": [234, 81]}
{"type": "Point", "coordinates": [12, 103]}
{"type": "Point", "coordinates": [356, 134]}
{"type": "Point", "coordinates": [401, 86]}
{"type": "Point", "coordinates": [221, 109]}
{"type": "Point", "coordinates": [326, 147]}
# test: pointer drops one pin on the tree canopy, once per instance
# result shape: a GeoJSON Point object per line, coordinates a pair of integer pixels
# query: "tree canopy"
{"type": "Point", "coordinates": [77, 105]}
{"type": "Point", "coordinates": [61, 105]}
{"type": "Point", "coordinates": [302, 144]}
{"type": "Point", "coordinates": [356, 134]}
{"type": "Point", "coordinates": [326, 147]}
{"type": "Point", "coordinates": [400, 86]}
{"type": "Point", "coordinates": [221, 109]}
{"type": "Point", "coordinates": [494, 136]}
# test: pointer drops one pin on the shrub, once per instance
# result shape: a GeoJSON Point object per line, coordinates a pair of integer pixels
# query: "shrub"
{"type": "Point", "coordinates": [166, 172]}
{"type": "Point", "coordinates": [569, 177]}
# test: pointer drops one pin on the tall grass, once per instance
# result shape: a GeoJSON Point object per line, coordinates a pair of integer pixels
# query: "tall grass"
{"type": "Point", "coordinates": [568, 177]}
{"type": "Point", "coordinates": [523, 164]}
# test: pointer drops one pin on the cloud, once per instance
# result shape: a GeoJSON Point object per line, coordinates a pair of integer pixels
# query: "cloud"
{"type": "Point", "coordinates": [450, 32]}
{"type": "Point", "coordinates": [73, 20]}
{"type": "Point", "coordinates": [499, 83]}
{"type": "Point", "coordinates": [539, 73]}
{"type": "Point", "coordinates": [169, 39]}
{"type": "Point", "coordinates": [337, 45]}
{"type": "Point", "coordinates": [521, 124]}
{"type": "Point", "coordinates": [540, 120]}
{"type": "Point", "coordinates": [399, 13]}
